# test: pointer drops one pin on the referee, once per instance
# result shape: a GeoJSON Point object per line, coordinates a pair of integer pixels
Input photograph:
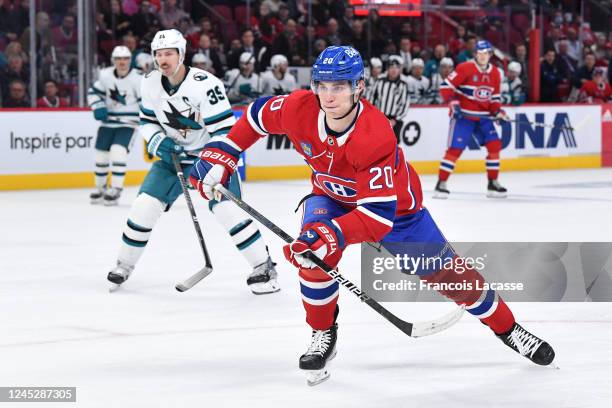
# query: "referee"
{"type": "Point", "coordinates": [390, 94]}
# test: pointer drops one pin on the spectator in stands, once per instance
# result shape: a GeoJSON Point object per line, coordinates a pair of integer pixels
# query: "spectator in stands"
{"type": "Point", "coordinates": [552, 37]}
{"type": "Point", "coordinates": [468, 53]}
{"type": "Point", "coordinates": [265, 25]}
{"type": "Point", "coordinates": [44, 38]}
{"type": "Point", "coordinates": [405, 52]}
{"type": "Point", "coordinates": [431, 67]}
{"type": "Point", "coordinates": [170, 14]}
{"type": "Point", "coordinates": [15, 48]}
{"type": "Point", "coordinates": [273, 5]}
{"type": "Point", "coordinates": [65, 36]}
{"type": "Point", "coordinates": [131, 42]}
{"type": "Point", "coordinates": [358, 38]}
{"type": "Point", "coordinates": [204, 48]}
{"type": "Point", "coordinates": [143, 19]}
{"type": "Point", "coordinates": [17, 96]}
{"type": "Point", "coordinates": [457, 42]}
{"type": "Point", "coordinates": [51, 99]}
{"type": "Point", "coordinates": [283, 14]}
{"type": "Point", "coordinates": [550, 78]}
{"type": "Point", "coordinates": [574, 44]}
{"type": "Point", "coordinates": [286, 43]}
{"type": "Point", "coordinates": [248, 44]}
{"type": "Point", "coordinates": [512, 87]}
{"type": "Point", "coordinates": [333, 34]}
{"type": "Point", "coordinates": [389, 50]}
{"type": "Point", "coordinates": [596, 90]}
{"type": "Point", "coordinates": [116, 20]}
{"type": "Point", "coordinates": [520, 55]}
{"type": "Point", "coordinates": [13, 18]}
{"type": "Point", "coordinates": [610, 63]}
{"type": "Point", "coordinates": [585, 72]}
{"type": "Point", "coordinates": [16, 70]}
{"type": "Point", "coordinates": [567, 64]}
{"type": "Point", "coordinates": [308, 38]}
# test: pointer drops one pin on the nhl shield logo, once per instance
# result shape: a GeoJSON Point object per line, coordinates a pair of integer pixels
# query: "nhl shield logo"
{"type": "Point", "coordinates": [306, 148]}
{"type": "Point", "coordinates": [330, 141]}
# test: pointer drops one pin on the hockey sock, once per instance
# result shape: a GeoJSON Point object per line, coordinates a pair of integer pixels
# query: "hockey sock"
{"type": "Point", "coordinates": [466, 289]}
{"type": "Point", "coordinates": [492, 162]}
{"type": "Point", "coordinates": [244, 232]}
{"type": "Point", "coordinates": [101, 172]}
{"type": "Point", "coordinates": [118, 158]}
{"type": "Point", "coordinates": [142, 217]}
{"type": "Point", "coordinates": [320, 298]}
{"type": "Point", "coordinates": [447, 165]}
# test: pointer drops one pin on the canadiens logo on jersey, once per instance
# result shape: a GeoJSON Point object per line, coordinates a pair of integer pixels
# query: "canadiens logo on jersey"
{"type": "Point", "coordinates": [182, 120]}
{"type": "Point", "coordinates": [340, 189]}
{"type": "Point", "coordinates": [483, 93]}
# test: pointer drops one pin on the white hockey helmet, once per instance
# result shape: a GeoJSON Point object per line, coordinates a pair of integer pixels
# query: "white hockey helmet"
{"type": "Point", "coordinates": [447, 62]}
{"type": "Point", "coordinates": [121, 51]}
{"type": "Point", "coordinates": [418, 62]}
{"type": "Point", "coordinates": [277, 60]}
{"type": "Point", "coordinates": [515, 67]}
{"type": "Point", "coordinates": [246, 58]}
{"type": "Point", "coordinates": [169, 39]}
{"type": "Point", "coordinates": [375, 62]}
{"type": "Point", "coordinates": [143, 59]}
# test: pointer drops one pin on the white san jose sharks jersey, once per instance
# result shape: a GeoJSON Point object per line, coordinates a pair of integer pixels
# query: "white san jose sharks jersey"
{"type": "Point", "coordinates": [190, 113]}
{"type": "Point", "coordinates": [121, 96]}
{"type": "Point", "coordinates": [271, 85]}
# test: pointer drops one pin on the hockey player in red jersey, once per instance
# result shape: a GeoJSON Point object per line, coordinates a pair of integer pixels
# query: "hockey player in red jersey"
{"type": "Point", "coordinates": [473, 90]}
{"type": "Point", "coordinates": [363, 190]}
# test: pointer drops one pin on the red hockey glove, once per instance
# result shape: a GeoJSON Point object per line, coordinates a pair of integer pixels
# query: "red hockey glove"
{"type": "Point", "coordinates": [217, 163]}
{"type": "Point", "coordinates": [322, 238]}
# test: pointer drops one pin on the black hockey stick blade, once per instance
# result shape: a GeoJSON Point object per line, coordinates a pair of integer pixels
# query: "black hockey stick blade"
{"type": "Point", "coordinates": [418, 329]}
{"type": "Point", "coordinates": [193, 280]}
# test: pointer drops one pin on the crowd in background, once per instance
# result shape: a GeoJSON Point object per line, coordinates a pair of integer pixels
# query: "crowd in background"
{"type": "Point", "coordinates": [574, 67]}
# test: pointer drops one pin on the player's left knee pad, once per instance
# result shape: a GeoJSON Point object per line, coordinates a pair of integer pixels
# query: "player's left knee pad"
{"type": "Point", "coordinates": [454, 279]}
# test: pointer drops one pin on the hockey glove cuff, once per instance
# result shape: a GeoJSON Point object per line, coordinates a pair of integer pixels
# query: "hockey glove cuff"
{"type": "Point", "coordinates": [323, 238]}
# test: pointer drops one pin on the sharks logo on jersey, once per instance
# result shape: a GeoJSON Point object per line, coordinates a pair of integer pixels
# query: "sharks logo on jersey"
{"type": "Point", "coordinates": [117, 96]}
{"type": "Point", "coordinates": [182, 122]}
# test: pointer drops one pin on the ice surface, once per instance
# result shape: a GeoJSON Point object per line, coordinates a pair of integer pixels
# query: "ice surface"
{"type": "Point", "coordinates": [218, 345]}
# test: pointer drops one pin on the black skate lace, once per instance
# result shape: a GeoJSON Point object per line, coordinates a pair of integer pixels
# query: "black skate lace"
{"type": "Point", "coordinates": [320, 342]}
{"type": "Point", "coordinates": [525, 342]}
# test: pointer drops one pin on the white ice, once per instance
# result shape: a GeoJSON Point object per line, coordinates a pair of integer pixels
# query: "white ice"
{"type": "Point", "coordinates": [218, 345]}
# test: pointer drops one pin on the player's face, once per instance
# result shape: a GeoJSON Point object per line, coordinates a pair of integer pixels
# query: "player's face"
{"type": "Point", "coordinates": [482, 58]}
{"type": "Point", "coordinates": [417, 71]}
{"type": "Point", "coordinates": [122, 64]}
{"type": "Point", "coordinates": [282, 68]}
{"type": "Point", "coordinates": [336, 97]}
{"type": "Point", "coordinates": [246, 69]}
{"type": "Point", "coordinates": [167, 60]}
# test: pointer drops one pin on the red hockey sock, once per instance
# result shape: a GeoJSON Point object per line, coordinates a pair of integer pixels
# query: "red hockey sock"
{"type": "Point", "coordinates": [319, 296]}
{"type": "Point", "coordinates": [492, 162]}
{"type": "Point", "coordinates": [447, 165]}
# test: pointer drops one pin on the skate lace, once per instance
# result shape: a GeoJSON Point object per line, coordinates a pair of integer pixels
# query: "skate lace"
{"type": "Point", "coordinates": [525, 342]}
{"type": "Point", "coordinates": [320, 342]}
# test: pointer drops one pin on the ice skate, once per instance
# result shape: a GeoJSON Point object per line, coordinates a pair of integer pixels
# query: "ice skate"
{"type": "Point", "coordinates": [119, 275]}
{"type": "Point", "coordinates": [263, 279]}
{"type": "Point", "coordinates": [528, 345]}
{"type": "Point", "coordinates": [322, 349]}
{"type": "Point", "coordinates": [441, 191]}
{"type": "Point", "coordinates": [495, 190]}
{"type": "Point", "coordinates": [111, 197]}
{"type": "Point", "coordinates": [97, 196]}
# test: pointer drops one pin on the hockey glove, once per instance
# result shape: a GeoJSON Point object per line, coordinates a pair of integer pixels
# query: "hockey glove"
{"type": "Point", "coordinates": [455, 110]}
{"type": "Point", "coordinates": [501, 115]}
{"type": "Point", "coordinates": [215, 166]}
{"type": "Point", "coordinates": [162, 146]}
{"type": "Point", "coordinates": [322, 238]}
{"type": "Point", "coordinates": [101, 114]}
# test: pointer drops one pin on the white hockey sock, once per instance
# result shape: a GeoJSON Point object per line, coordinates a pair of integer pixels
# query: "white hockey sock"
{"type": "Point", "coordinates": [244, 232]}
{"type": "Point", "coordinates": [142, 217]}
{"type": "Point", "coordinates": [101, 172]}
{"type": "Point", "coordinates": [118, 158]}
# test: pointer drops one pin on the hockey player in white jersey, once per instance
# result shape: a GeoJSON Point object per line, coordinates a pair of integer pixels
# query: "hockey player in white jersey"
{"type": "Point", "coordinates": [418, 84]}
{"type": "Point", "coordinates": [512, 87]}
{"type": "Point", "coordinates": [445, 68]}
{"type": "Point", "coordinates": [114, 99]}
{"type": "Point", "coordinates": [277, 81]}
{"type": "Point", "coordinates": [182, 109]}
{"type": "Point", "coordinates": [242, 84]}
{"type": "Point", "coordinates": [371, 75]}
{"type": "Point", "coordinates": [144, 62]}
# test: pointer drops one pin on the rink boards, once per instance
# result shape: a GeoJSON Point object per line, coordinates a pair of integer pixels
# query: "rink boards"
{"type": "Point", "coordinates": [55, 148]}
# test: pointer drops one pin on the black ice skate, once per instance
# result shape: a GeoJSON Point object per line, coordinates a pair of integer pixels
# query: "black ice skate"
{"type": "Point", "coordinates": [263, 279]}
{"type": "Point", "coordinates": [528, 345]}
{"type": "Point", "coordinates": [495, 190]}
{"type": "Point", "coordinates": [322, 349]}
{"type": "Point", "coordinates": [97, 196]}
{"type": "Point", "coordinates": [119, 274]}
{"type": "Point", "coordinates": [111, 197]}
{"type": "Point", "coordinates": [441, 191]}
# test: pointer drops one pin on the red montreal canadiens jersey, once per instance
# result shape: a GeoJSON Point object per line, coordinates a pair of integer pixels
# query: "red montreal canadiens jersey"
{"type": "Point", "coordinates": [363, 169]}
{"type": "Point", "coordinates": [478, 90]}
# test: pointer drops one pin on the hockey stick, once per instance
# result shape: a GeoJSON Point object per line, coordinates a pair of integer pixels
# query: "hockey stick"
{"type": "Point", "coordinates": [204, 272]}
{"type": "Point", "coordinates": [418, 329]}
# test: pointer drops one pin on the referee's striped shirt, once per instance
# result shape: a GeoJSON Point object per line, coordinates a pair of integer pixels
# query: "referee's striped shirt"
{"type": "Point", "coordinates": [391, 97]}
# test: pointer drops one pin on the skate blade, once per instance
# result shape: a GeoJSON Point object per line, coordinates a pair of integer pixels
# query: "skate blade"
{"type": "Point", "coordinates": [264, 288]}
{"type": "Point", "coordinates": [114, 287]}
{"type": "Point", "coordinates": [316, 377]}
{"type": "Point", "coordinates": [440, 196]}
{"type": "Point", "coordinates": [495, 194]}
{"type": "Point", "coordinates": [111, 203]}
{"type": "Point", "coordinates": [95, 202]}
